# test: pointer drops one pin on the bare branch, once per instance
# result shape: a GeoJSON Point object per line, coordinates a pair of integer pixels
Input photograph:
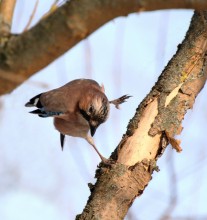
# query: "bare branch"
{"type": "Point", "coordinates": [64, 28]}
{"type": "Point", "coordinates": [32, 16]}
{"type": "Point", "coordinates": [53, 8]}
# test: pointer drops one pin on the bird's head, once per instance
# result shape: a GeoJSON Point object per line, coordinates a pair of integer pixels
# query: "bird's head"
{"type": "Point", "coordinates": [95, 110]}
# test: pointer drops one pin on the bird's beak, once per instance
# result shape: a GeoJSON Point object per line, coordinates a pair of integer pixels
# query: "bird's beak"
{"type": "Point", "coordinates": [93, 129]}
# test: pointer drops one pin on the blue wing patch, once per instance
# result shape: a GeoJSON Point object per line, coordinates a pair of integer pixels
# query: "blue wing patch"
{"type": "Point", "coordinates": [42, 113]}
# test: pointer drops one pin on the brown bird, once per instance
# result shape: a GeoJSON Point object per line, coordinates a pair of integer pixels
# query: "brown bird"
{"type": "Point", "coordinates": [77, 107]}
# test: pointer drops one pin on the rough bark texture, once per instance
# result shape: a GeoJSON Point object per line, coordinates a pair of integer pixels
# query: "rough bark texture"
{"type": "Point", "coordinates": [158, 118]}
{"type": "Point", "coordinates": [23, 55]}
{"type": "Point", "coordinates": [114, 190]}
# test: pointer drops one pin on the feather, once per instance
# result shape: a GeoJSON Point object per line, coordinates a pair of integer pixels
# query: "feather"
{"type": "Point", "coordinates": [35, 101]}
{"type": "Point", "coordinates": [62, 138]}
{"type": "Point", "coordinates": [42, 113]}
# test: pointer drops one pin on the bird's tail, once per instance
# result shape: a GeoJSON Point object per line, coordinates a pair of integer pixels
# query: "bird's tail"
{"type": "Point", "coordinates": [41, 112]}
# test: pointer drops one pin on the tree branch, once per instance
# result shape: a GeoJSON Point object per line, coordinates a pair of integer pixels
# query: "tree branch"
{"type": "Point", "coordinates": [160, 113]}
{"type": "Point", "coordinates": [6, 15]}
{"type": "Point", "coordinates": [23, 55]}
{"type": "Point", "coordinates": [31, 16]}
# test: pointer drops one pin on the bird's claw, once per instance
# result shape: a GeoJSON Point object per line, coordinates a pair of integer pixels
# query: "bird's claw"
{"type": "Point", "coordinates": [120, 100]}
{"type": "Point", "coordinates": [107, 162]}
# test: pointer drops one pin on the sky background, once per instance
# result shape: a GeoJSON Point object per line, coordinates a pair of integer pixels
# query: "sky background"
{"type": "Point", "coordinates": [39, 181]}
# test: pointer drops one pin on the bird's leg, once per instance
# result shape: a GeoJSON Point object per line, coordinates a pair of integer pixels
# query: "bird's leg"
{"type": "Point", "coordinates": [91, 142]}
{"type": "Point", "coordinates": [119, 101]}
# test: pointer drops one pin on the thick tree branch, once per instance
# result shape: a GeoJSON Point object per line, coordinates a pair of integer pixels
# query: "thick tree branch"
{"type": "Point", "coordinates": [23, 55]}
{"type": "Point", "coordinates": [157, 120]}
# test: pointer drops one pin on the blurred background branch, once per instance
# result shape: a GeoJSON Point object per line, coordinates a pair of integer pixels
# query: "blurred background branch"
{"type": "Point", "coordinates": [23, 55]}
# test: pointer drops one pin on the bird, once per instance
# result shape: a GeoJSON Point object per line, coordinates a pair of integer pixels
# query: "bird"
{"type": "Point", "coordinates": [78, 108]}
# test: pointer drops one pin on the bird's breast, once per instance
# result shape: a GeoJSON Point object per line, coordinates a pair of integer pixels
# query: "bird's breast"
{"type": "Point", "coordinates": [75, 125]}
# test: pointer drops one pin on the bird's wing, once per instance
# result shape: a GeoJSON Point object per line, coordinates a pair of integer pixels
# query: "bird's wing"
{"type": "Point", "coordinates": [48, 104]}
{"type": "Point", "coordinates": [61, 100]}
{"type": "Point", "coordinates": [35, 101]}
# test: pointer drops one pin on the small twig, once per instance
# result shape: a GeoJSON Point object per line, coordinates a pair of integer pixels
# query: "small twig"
{"type": "Point", "coordinates": [32, 16]}
{"type": "Point", "coordinates": [53, 7]}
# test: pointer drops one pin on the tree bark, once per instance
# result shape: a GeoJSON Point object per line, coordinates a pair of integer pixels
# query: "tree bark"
{"type": "Point", "coordinates": [23, 55]}
{"type": "Point", "coordinates": [157, 120]}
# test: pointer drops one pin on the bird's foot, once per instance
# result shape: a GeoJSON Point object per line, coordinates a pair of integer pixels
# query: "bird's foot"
{"type": "Point", "coordinates": [119, 101]}
{"type": "Point", "coordinates": [107, 162]}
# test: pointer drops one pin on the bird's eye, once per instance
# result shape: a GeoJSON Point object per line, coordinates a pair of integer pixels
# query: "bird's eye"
{"type": "Point", "coordinates": [90, 110]}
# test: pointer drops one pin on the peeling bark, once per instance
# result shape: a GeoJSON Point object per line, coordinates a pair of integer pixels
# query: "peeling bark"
{"type": "Point", "coordinates": [23, 55]}
{"type": "Point", "coordinates": [157, 120]}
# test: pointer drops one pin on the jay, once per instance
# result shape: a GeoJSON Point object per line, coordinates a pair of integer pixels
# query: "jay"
{"type": "Point", "coordinates": [78, 107]}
